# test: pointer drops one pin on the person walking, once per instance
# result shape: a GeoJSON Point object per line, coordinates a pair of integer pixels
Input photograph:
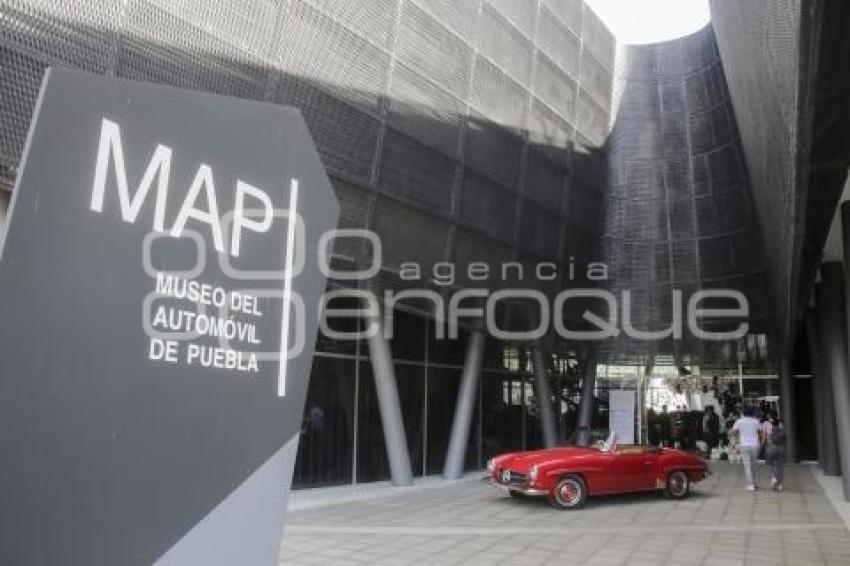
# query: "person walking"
{"type": "Point", "coordinates": [748, 430]}
{"type": "Point", "coordinates": [774, 452]}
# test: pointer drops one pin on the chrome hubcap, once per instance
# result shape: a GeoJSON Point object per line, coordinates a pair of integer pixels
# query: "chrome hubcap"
{"type": "Point", "coordinates": [569, 493]}
{"type": "Point", "coordinates": [677, 483]}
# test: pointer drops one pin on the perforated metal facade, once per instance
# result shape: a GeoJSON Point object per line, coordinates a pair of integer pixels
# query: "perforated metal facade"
{"type": "Point", "coordinates": [759, 42]}
{"type": "Point", "coordinates": [679, 215]}
{"type": "Point", "coordinates": [448, 127]}
{"type": "Point", "coordinates": [460, 131]}
{"type": "Point", "coordinates": [794, 132]}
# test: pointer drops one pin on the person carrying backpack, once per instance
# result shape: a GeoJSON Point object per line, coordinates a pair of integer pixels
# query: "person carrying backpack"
{"type": "Point", "coordinates": [774, 452]}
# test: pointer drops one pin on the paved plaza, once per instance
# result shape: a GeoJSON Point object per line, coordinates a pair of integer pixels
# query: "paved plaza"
{"type": "Point", "coordinates": [468, 522]}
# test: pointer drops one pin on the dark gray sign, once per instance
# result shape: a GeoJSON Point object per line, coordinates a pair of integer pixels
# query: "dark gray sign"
{"type": "Point", "coordinates": [151, 273]}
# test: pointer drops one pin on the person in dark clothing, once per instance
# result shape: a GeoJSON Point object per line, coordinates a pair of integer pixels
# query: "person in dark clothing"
{"type": "Point", "coordinates": [711, 428]}
{"type": "Point", "coordinates": [774, 451]}
{"type": "Point", "coordinates": [665, 426]}
{"type": "Point", "coordinates": [653, 427]}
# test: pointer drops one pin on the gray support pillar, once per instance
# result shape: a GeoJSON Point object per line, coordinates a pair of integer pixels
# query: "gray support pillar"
{"type": "Point", "coordinates": [389, 406]}
{"type": "Point", "coordinates": [585, 411]}
{"type": "Point", "coordinates": [834, 302]}
{"type": "Point", "coordinates": [464, 407]}
{"type": "Point", "coordinates": [831, 461]}
{"type": "Point", "coordinates": [544, 397]}
{"type": "Point", "coordinates": [4, 208]}
{"type": "Point", "coordinates": [817, 379]}
{"type": "Point", "coordinates": [786, 396]}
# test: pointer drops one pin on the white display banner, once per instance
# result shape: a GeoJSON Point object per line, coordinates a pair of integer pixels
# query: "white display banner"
{"type": "Point", "coordinates": [621, 415]}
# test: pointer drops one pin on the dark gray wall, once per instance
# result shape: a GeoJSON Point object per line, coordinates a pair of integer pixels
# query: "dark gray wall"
{"type": "Point", "coordinates": [447, 127]}
{"type": "Point", "coordinates": [759, 43]}
{"type": "Point", "coordinates": [472, 130]}
{"type": "Point", "coordinates": [97, 427]}
{"type": "Point", "coordinates": [679, 214]}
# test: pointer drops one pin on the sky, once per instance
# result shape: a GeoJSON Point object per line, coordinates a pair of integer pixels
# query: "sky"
{"type": "Point", "coordinates": [651, 21]}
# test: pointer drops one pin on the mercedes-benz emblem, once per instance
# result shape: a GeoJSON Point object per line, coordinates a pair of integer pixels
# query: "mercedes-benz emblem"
{"type": "Point", "coordinates": [506, 476]}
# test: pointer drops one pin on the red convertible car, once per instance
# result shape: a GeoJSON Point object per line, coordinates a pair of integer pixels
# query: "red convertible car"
{"type": "Point", "coordinates": [567, 476]}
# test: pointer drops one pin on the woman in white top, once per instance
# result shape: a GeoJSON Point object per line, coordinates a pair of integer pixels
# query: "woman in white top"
{"type": "Point", "coordinates": [749, 432]}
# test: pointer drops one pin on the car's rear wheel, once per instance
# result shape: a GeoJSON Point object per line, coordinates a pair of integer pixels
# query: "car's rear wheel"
{"type": "Point", "coordinates": [570, 493]}
{"type": "Point", "coordinates": [678, 485]}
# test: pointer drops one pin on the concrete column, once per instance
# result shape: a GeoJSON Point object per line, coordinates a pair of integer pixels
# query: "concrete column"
{"type": "Point", "coordinates": [389, 405]}
{"type": "Point", "coordinates": [786, 396]}
{"type": "Point", "coordinates": [4, 208]}
{"type": "Point", "coordinates": [544, 396]}
{"type": "Point", "coordinates": [585, 411]}
{"type": "Point", "coordinates": [830, 460]}
{"type": "Point", "coordinates": [834, 311]}
{"type": "Point", "coordinates": [560, 423]}
{"type": "Point", "coordinates": [465, 406]}
{"type": "Point", "coordinates": [816, 366]}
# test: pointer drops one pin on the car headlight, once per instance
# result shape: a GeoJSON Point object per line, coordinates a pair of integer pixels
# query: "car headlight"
{"type": "Point", "coordinates": [532, 473]}
{"type": "Point", "coordinates": [490, 465]}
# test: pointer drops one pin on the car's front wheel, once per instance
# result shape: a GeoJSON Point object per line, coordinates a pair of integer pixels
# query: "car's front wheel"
{"type": "Point", "coordinates": [570, 493]}
{"type": "Point", "coordinates": [678, 485]}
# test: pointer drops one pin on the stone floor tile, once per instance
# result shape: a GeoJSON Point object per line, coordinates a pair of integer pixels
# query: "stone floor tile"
{"type": "Point", "coordinates": [469, 523]}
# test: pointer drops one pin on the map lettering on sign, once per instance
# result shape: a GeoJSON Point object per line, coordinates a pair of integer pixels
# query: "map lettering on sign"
{"type": "Point", "coordinates": [182, 331]}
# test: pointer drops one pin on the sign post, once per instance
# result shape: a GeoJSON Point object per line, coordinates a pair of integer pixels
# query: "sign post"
{"type": "Point", "coordinates": [159, 292]}
{"type": "Point", "coordinates": [621, 414]}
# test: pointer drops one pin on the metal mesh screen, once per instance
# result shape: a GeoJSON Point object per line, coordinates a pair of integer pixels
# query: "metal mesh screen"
{"type": "Point", "coordinates": [472, 246]}
{"type": "Point", "coordinates": [521, 13]}
{"type": "Point", "coordinates": [568, 12]}
{"type": "Point", "coordinates": [346, 137]}
{"type": "Point", "coordinates": [425, 111]}
{"type": "Point", "coordinates": [554, 87]}
{"type": "Point", "coordinates": [548, 132]}
{"type": "Point", "coordinates": [317, 47]}
{"type": "Point", "coordinates": [416, 172]}
{"type": "Point", "coordinates": [678, 211]}
{"type": "Point", "coordinates": [760, 46]}
{"type": "Point", "coordinates": [497, 96]}
{"type": "Point", "coordinates": [493, 150]}
{"type": "Point", "coordinates": [460, 115]}
{"type": "Point", "coordinates": [432, 50]}
{"type": "Point", "coordinates": [488, 206]}
{"type": "Point", "coordinates": [596, 79]}
{"type": "Point", "coordinates": [423, 240]}
{"type": "Point", "coordinates": [597, 38]}
{"type": "Point", "coordinates": [539, 231]}
{"type": "Point", "coordinates": [505, 45]}
{"type": "Point", "coordinates": [355, 206]}
{"type": "Point", "coordinates": [459, 16]}
{"type": "Point", "coordinates": [544, 180]}
{"type": "Point", "coordinates": [559, 43]}
{"type": "Point", "coordinates": [157, 42]}
{"type": "Point", "coordinates": [591, 119]}
{"type": "Point", "coordinates": [374, 20]}
{"type": "Point", "coordinates": [78, 34]}
{"type": "Point", "coordinates": [18, 93]}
